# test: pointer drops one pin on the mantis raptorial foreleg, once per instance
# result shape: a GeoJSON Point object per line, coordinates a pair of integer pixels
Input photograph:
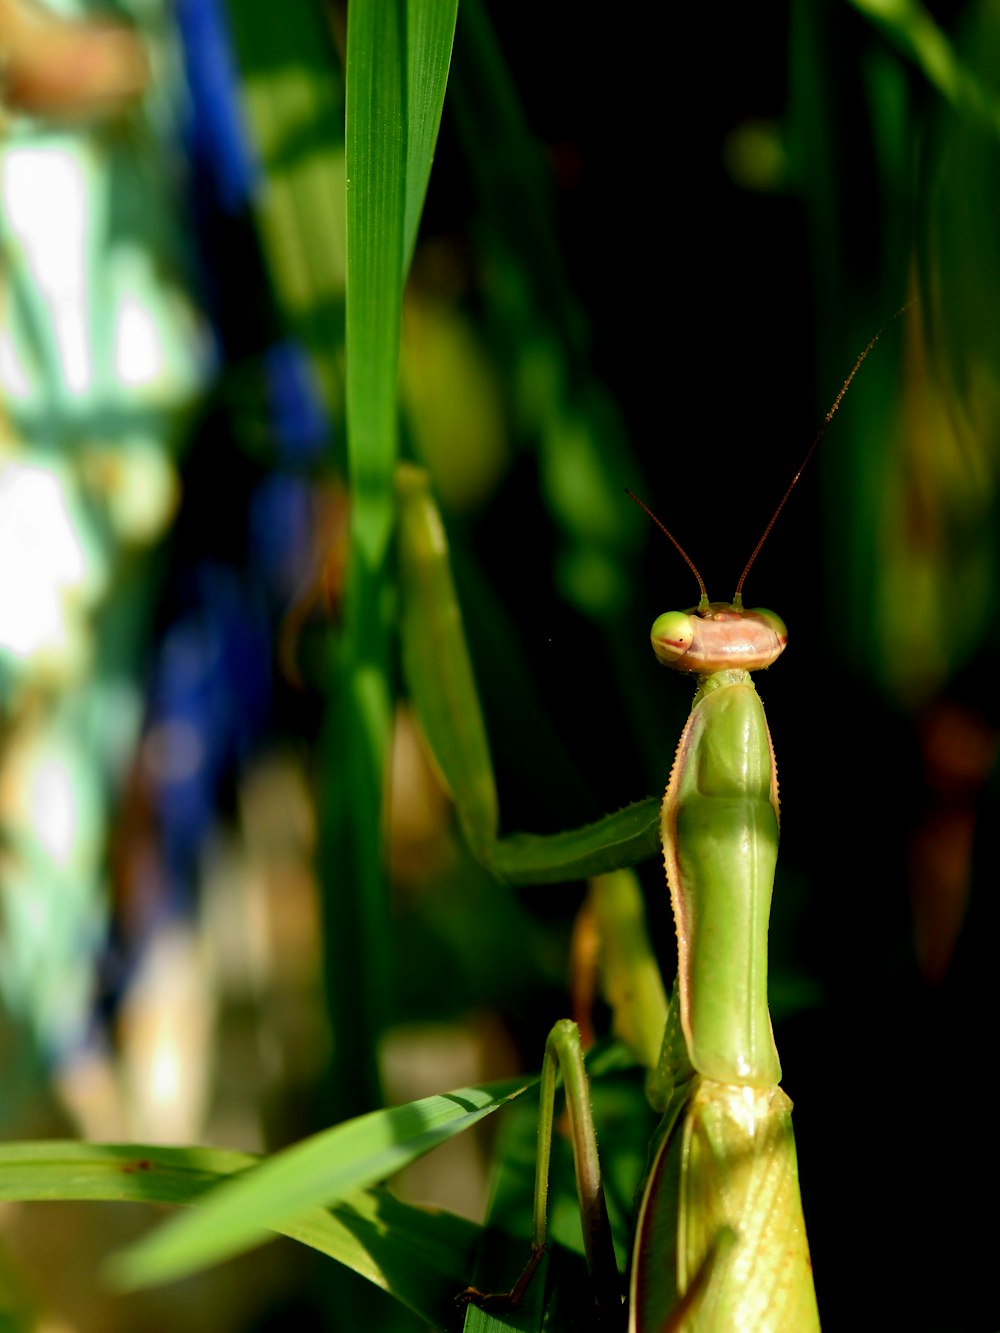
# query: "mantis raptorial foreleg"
{"type": "Point", "coordinates": [441, 684]}
{"type": "Point", "coordinates": [564, 1053]}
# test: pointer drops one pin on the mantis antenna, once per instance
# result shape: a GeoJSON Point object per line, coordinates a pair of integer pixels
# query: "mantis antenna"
{"type": "Point", "coordinates": [738, 595]}
{"type": "Point", "coordinates": [737, 602]}
{"type": "Point", "coordinates": [703, 603]}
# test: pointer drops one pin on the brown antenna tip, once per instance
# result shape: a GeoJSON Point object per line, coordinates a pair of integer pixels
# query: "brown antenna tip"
{"type": "Point", "coordinates": [738, 596]}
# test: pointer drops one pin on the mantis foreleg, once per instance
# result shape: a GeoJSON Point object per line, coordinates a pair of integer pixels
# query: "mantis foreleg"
{"type": "Point", "coordinates": [564, 1053]}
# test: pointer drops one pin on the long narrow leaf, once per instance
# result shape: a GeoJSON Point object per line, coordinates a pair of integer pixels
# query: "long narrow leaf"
{"type": "Point", "coordinates": [625, 838]}
{"type": "Point", "coordinates": [397, 62]}
{"type": "Point", "coordinates": [912, 29]}
{"type": "Point", "coordinates": [355, 740]}
{"type": "Point", "coordinates": [318, 1171]}
{"type": "Point", "coordinates": [422, 1258]}
{"type": "Point", "coordinates": [430, 32]}
{"type": "Point", "coordinates": [437, 664]}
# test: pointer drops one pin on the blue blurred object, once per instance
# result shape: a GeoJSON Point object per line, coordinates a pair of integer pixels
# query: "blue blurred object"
{"type": "Point", "coordinates": [300, 421]}
{"type": "Point", "coordinates": [210, 697]}
{"type": "Point", "coordinates": [217, 135]}
{"type": "Point", "coordinates": [281, 533]}
{"type": "Point", "coordinates": [209, 704]}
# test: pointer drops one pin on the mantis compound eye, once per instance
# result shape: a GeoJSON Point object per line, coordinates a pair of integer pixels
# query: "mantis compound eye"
{"type": "Point", "coordinates": [671, 636]}
{"type": "Point", "coordinates": [774, 622]}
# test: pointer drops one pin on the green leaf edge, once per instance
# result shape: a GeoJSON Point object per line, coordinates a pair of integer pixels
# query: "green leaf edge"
{"type": "Point", "coordinates": [319, 1171]}
{"type": "Point", "coordinates": [420, 1256]}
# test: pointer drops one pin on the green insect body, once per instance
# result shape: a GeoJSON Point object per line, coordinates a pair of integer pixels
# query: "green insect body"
{"type": "Point", "coordinates": [720, 1238]}
{"type": "Point", "coordinates": [719, 828]}
{"type": "Point", "coordinates": [720, 1243]}
{"type": "Point", "coordinates": [719, 825]}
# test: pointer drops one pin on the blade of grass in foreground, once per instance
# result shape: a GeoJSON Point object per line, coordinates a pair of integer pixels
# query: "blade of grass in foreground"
{"type": "Point", "coordinates": [318, 1171]}
{"type": "Point", "coordinates": [397, 64]}
{"type": "Point", "coordinates": [356, 729]}
{"type": "Point", "coordinates": [422, 1258]}
{"type": "Point", "coordinates": [430, 33]}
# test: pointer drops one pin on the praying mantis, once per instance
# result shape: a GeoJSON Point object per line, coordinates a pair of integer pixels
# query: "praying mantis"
{"type": "Point", "coordinates": [719, 1235]}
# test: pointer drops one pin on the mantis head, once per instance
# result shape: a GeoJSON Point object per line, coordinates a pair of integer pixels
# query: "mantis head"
{"type": "Point", "coordinates": [717, 636]}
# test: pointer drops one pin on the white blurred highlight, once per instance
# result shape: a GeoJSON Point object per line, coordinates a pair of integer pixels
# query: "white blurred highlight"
{"type": "Point", "coordinates": [138, 351]}
{"type": "Point", "coordinates": [167, 1027]}
{"type": "Point", "coordinates": [44, 197]}
{"type": "Point", "coordinates": [47, 575]}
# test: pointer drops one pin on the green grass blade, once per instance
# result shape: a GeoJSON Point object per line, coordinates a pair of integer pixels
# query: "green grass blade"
{"type": "Point", "coordinates": [376, 188]}
{"type": "Point", "coordinates": [421, 1258]}
{"type": "Point", "coordinates": [319, 1171]}
{"type": "Point", "coordinates": [356, 733]}
{"type": "Point", "coordinates": [430, 32]}
{"type": "Point", "coordinates": [529, 1317]}
{"type": "Point", "coordinates": [383, 76]}
{"type": "Point", "coordinates": [631, 979]}
{"type": "Point", "coordinates": [912, 30]}
{"type": "Point", "coordinates": [438, 669]}
{"type": "Point", "coordinates": [292, 94]}
{"type": "Point", "coordinates": [622, 839]}
{"type": "Point", "coordinates": [441, 681]}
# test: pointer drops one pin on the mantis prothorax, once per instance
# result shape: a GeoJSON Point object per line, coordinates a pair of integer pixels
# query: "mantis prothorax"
{"type": "Point", "coordinates": [719, 1237]}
